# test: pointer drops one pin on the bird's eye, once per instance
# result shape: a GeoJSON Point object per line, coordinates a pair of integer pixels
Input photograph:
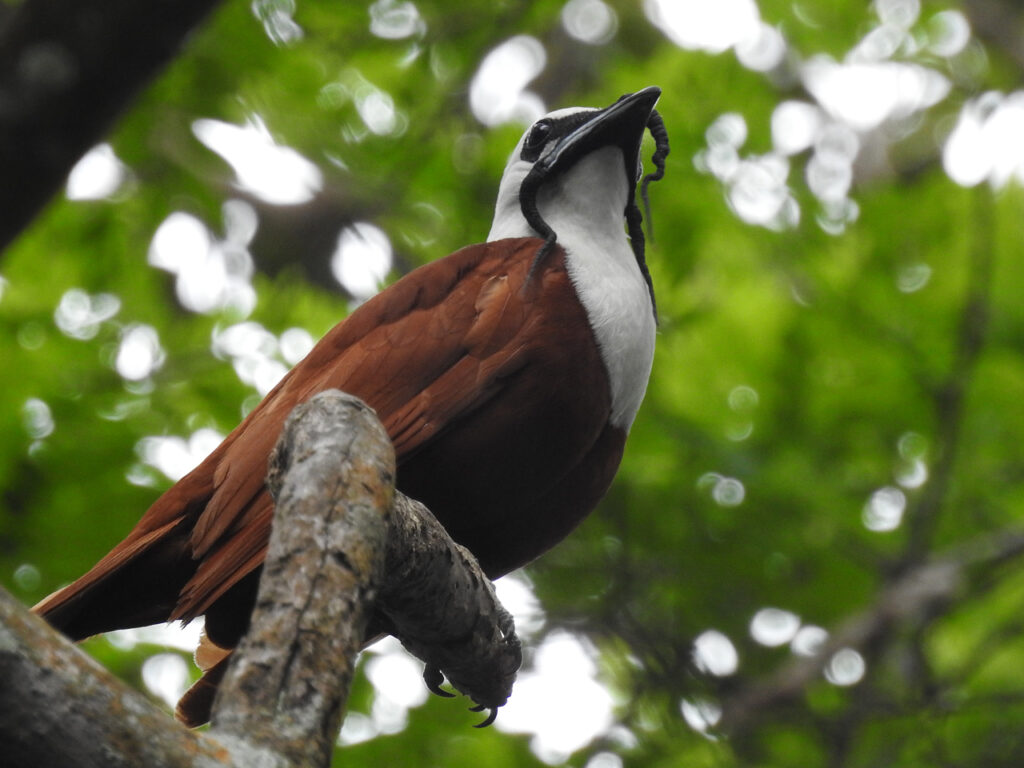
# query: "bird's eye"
{"type": "Point", "coordinates": [538, 135]}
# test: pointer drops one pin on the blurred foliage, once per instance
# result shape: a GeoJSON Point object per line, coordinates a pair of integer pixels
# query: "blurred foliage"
{"type": "Point", "coordinates": [798, 367]}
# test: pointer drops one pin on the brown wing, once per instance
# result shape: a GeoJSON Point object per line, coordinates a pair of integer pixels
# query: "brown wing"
{"type": "Point", "coordinates": [428, 350]}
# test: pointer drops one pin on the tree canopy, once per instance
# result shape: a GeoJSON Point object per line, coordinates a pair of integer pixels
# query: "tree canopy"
{"type": "Point", "coordinates": [812, 554]}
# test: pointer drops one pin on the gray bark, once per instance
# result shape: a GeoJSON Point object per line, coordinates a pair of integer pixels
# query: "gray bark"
{"type": "Point", "coordinates": [344, 549]}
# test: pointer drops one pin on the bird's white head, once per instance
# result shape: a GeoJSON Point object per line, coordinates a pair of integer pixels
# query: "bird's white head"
{"type": "Point", "coordinates": [575, 169]}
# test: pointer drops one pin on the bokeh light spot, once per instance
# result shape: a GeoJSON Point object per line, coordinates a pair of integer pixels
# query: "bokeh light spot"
{"type": "Point", "coordinates": [139, 353]}
{"type": "Point", "coordinates": [729, 129]}
{"type": "Point", "coordinates": [912, 474]}
{"type": "Point", "coordinates": [211, 275]}
{"type": "Point", "coordinates": [948, 32]}
{"type": "Point", "coordinates": [27, 577]}
{"type": "Point", "coordinates": [98, 174]}
{"type": "Point", "coordinates": [884, 510]}
{"type": "Point", "coordinates": [985, 144]}
{"type": "Point", "coordinates": [913, 277]}
{"type": "Point", "coordinates": [37, 418]}
{"type": "Point", "coordinates": [795, 126]}
{"type": "Point", "coordinates": [590, 21]}
{"type": "Point", "coordinates": [604, 760]}
{"type": "Point", "coordinates": [174, 456]}
{"type": "Point", "coordinates": [362, 259]}
{"type": "Point", "coordinates": [277, 17]}
{"type": "Point", "coordinates": [898, 13]}
{"type": "Point", "coordinates": [276, 174]}
{"type": "Point", "coordinates": [762, 51]}
{"type": "Point", "coordinates": [846, 667]}
{"type": "Point", "coordinates": [808, 640]}
{"type": "Point", "coordinates": [715, 654]}
{"type": "Point", "coordinates": [394, 20]}
{"type": "Point", "coordinates": [912, 445]}
{"type": "Point", "coordinates": [515, 592]}
{"type": "Point", "coordinates": [725, 491]}
{"type": "Point", "coordinates": [773, 626]}
{"type": "Point", "coordinates": [397, 676]}
{"type": "Point", "coordinates": [712, 27]}
{"type": "Point", "coordinates": [562, 663]}
{"type": "Point", "coordinates": [700, 714]}
{"type": "Point", "coordinates": [497, 93]}
{"type": "Point", "coordinates": [80, 315]}
{"type": "Point", "coordinates": [743, 399]}
{"type": "Point", "coordinates": [864, 94]}
{"type": "Point", "coordinates": [254, 351]}
{"type": "Point", "coordinates": [166, 675]}
{"type": "Point", "coordinates": [295, 344]}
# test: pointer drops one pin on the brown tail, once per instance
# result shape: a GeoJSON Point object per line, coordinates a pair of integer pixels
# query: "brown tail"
{"type": "Point", "coordinates": [136, 584]}
{"type": "Point", "coordinates": [195, 706]}
{"type": "Point", "coordinates": [138, 581]}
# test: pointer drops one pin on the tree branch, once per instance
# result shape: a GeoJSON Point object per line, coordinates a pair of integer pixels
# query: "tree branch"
{"type": "Point", "coordinates": [998, 23]}
{"type": "Point", "coordinates": [949, 397]}
{"type": "Point", "coordinates": [59, 707]}
{"type": "Point", "coordinates": [466, 634]}
{"type": "Point", "coordinates": [68, 68]}
{"type": "Point", "coordinates": [332, 476]}
{"type": "Point", "coordinates": [917, 592]}
{"type": "Point", "coordinates": [340, 551]}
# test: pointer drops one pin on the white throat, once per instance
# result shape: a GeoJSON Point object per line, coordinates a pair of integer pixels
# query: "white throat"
{"type": "Point", "coordinates": [584, 206]}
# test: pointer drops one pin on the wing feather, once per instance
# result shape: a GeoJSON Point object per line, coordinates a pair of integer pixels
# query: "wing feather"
{"type": "Point", "coordinates": [425, 354]}
{"type": "Point", "coordinates": [430, 351]}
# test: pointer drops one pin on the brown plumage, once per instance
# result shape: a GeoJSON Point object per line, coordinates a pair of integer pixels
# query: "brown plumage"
{"type": "Point", "coordinates": [456, 353]}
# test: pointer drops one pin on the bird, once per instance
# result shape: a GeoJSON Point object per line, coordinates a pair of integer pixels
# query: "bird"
{"type": "Point", "coordinates": [507, 375]}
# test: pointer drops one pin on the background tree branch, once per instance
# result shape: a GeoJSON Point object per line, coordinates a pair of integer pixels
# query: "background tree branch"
{"type": "Point", "coordinates": [929, 588]}
{"type": "Point", "coordinates": [68, 68]}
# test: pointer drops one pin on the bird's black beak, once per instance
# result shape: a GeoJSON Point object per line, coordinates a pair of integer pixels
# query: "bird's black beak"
{"type": "Point", "coordinates": [620, 125]}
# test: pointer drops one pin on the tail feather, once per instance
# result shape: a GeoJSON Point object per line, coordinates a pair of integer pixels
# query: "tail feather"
{"type": "Point", "coordinates": [196, 705]}
{"type": "Point", "coordinates": [138, 581]}
{"type": "Point", "coordinates": [134, 585]}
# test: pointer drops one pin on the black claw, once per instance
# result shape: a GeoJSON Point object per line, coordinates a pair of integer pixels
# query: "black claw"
{"type": "Point", "coordinates": [507, 624]}
{"type": "Point", "coordinates": [477, 708]}
{"type": "Point", "coordinates": [490, 718]}
{"type": "Point", "coordinates": [433, 678]}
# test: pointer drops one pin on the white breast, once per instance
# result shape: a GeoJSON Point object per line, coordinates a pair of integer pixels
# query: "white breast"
{"type": "Point", "coordinates": [585, 209]}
